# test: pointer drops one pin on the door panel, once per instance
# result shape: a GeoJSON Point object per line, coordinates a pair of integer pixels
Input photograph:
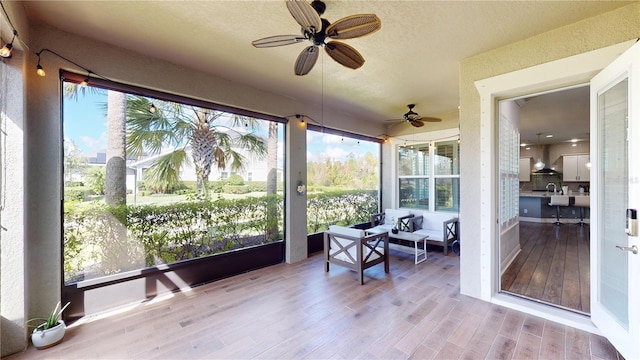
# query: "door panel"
{"type": "Point", "coordinates": [614, 188]}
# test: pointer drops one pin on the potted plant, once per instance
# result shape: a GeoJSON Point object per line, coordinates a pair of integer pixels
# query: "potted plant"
{"type": "Point", "coordinates": [49, 331]}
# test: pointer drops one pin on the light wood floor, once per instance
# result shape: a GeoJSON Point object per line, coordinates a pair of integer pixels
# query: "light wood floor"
{"type": "Point", "coordinates": [553, 265]}
{"type": "Point", "coordinates": [300, 312]}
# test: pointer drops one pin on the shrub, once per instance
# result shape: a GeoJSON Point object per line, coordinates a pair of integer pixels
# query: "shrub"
{"type": "Point", "coordinates": [235, 180]}
{"type": "Point", "coordinates": [75, 194]}
{"type": "Point", "coordinates": [235, 189]}
{"type": "Point", "coordinates": [74, 183]}
{"type": "Point", "coordinates": [96, 179]}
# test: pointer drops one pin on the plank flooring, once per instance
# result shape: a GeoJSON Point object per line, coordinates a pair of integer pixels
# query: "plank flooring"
{"type": "Point", "coordinates": [553, 265]}
{"type": "Point", "coordinates": [297, 311]}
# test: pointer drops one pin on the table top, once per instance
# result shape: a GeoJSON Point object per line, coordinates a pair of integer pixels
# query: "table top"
{"type": "Point", "coordinates": [402, 235]}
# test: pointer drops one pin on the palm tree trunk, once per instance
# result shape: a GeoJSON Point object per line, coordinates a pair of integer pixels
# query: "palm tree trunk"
{"type": "Point", "coordinates": [272, 181]}
{"type": "Point", "coordinates": [203, 143]}
{"type": "Point", "coordinates": [115, 187]}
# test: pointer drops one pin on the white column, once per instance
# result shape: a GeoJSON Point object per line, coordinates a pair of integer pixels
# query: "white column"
{"type": "Point", "coordinates": [296, 204]}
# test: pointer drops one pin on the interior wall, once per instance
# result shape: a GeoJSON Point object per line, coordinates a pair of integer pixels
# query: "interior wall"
{"type": "Point", "coordinates": [590, 34]}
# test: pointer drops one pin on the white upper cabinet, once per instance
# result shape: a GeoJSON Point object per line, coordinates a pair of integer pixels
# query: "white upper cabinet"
{"type": "Point", "coordinates": [525, 169]}
{"type": "Point", "coordinates": [574, 168]}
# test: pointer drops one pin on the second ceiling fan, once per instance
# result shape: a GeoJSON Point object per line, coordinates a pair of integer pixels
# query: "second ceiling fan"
{"type": "Point", "coordinates": [317, 30]}
{"type": "Point", "coordinates": [414, 118]}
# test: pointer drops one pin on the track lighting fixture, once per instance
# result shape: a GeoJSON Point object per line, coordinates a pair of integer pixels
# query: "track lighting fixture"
{"type": "Point", "coordinates": [7, 49]}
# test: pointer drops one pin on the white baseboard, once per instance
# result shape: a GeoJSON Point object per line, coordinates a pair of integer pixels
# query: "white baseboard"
{"type": "Point", "coordinates": [509, 259]}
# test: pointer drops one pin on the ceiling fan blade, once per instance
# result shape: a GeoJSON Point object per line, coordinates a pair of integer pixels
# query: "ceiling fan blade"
{"type": "Point", "coordinates": [344, 54]}
{"type": "Point", "coordinates": [304, 14]}
{"type": "Point", "coordinates": [354, 26]}
{"type": "Point", "coordinates": [278, 40]}
{"type": "Point", "coordinates": [417, 123]}
{"type": "Point", "coordinates": [306, 60]}
{"type": "Point", "coordinates": [430, 119]}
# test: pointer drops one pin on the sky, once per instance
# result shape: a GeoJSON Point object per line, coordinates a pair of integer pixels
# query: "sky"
{"type": "Point", "coordinates": [85, 123]}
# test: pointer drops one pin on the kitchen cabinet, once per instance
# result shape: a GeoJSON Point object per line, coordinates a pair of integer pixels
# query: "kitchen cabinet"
{"type": "Point", "coordinates": [525, 169]}
{"type": "Point", "coordinates": [574, 168]}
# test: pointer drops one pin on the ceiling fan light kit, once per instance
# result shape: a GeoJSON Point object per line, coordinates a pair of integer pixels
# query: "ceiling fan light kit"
{"type": "Point", "coordinates": [316, 30]}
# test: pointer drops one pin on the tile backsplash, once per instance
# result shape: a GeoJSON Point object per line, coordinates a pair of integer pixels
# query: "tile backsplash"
{"type": "Point", "coordinates": [539, 182]}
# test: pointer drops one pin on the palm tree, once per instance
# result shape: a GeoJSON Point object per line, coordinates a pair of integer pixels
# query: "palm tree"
{"type": "Point", "coordinates": [115, 185]}
{"type": "Point", "coordinates": [116, 172]}
{"type": "Point", "coordinates": [211, 134]}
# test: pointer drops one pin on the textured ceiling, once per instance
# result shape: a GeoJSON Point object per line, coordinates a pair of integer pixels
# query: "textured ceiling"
{"type": "Point", "coordinates": [414, 58]}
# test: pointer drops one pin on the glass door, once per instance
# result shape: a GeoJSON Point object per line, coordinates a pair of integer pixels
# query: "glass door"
{"type": "Point", "coordinates": [614, 135]}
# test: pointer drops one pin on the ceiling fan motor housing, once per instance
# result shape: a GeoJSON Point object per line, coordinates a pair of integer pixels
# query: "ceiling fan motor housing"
{"type": "Point", "coordinates": [318, 6]}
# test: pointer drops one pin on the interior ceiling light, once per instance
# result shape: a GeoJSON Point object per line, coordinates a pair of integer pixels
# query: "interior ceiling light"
{"type": "Point", "coordinates": [550, 136]}
{"type": "Point", "coordinates": [539, 165]}
{"type": "Point", "coordinates": [7, 49]}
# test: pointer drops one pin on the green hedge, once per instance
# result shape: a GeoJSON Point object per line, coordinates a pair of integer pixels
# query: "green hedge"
{"type": "Point", "coordinates": [340, 208]}
{"type": "Point", "coordinates": [101, 240]}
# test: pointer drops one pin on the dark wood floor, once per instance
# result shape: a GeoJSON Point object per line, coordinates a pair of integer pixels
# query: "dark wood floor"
{"type": "Point", "coordinates": [553, 265]}
{"type": "Point", "coordinates": [297, 311]}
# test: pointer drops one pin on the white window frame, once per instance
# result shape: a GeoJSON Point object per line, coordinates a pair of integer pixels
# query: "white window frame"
{"type": "Point", "coordinates": [432, 171]}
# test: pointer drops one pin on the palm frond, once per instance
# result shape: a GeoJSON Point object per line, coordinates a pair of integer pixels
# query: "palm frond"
{"type": "Point", "coordinates": [165, 172]}
{"type": "Point", "coordinates": [148, 131]}
{"type": "Point", "coordinates": [72, 90]}
{"type": "Point", "coordinates": [237, 160]}
{"type": "Point", "coordinates": [253, 143]}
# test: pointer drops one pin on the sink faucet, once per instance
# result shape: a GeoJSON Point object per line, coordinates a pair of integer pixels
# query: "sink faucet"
{"type": "Point", "coordinates": [554, 187]}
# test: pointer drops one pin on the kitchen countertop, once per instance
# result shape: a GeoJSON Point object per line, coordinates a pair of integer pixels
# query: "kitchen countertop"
{"type": "Point", "coordinates": [546, 194]}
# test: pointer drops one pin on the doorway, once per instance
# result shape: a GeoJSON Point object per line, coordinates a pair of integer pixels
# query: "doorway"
{"type": "Point", "coordinates": [545, 254]}
{"type": "Point", "coordinates": [567, 71]}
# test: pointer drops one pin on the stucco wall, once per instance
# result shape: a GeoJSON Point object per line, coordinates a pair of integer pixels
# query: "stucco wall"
{"type": "Point", "coordinates": [13, 265]}
{"type": "Point", "coordinates": [590, 34]}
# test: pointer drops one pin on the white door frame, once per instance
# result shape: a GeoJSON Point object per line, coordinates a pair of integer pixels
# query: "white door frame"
{"type": "Point", "coordinates": [578, 69]}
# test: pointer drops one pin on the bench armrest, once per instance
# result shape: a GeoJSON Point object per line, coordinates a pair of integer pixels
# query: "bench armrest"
{"type": "Point", "coordinates": [450, 229]}
{"type": "Point", "coordinates": [377, 219]}
{"type": "Point", "coordinates": [403, 222]}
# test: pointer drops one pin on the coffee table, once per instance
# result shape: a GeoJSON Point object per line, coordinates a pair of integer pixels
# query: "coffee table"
{"type": "Point", "coordinates": [420, 253]}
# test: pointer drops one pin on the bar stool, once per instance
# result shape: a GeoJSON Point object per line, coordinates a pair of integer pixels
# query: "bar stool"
{"type": "Point", "coordinates": [582, 201]}
{"type": "Point", "coordinates": [557, 201]}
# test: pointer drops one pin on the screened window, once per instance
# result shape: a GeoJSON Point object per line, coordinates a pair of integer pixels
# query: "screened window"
{"type": "Point", "coordinates": [141, 176]}
{"type": "Point", "coordinates": [343, 179]}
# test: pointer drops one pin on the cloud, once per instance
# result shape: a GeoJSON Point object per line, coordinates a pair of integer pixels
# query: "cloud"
{"type": "Point", "coordinates": [91, 144]}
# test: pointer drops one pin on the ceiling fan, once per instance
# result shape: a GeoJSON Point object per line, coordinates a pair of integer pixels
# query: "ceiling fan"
{"type": "Point", "coordinates": [414, 118]}
{"type": "Point", "coordinates": [316, 30]}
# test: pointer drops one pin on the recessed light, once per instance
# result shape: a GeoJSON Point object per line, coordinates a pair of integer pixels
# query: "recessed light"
{"type": "Point", "coordinates": [549, 136]}
{"type": "Point", "coordinates": [528, 148]}
{"type": "Point", "coordinates": [574, 140]}
{"type": "Point", "coordinates": [523, 145]}
{"type": "Point", "coordinates": [574, 145]}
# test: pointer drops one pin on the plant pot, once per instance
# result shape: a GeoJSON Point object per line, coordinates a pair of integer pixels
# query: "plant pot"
{"type": "Point", "coordinates": [43, 339]}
